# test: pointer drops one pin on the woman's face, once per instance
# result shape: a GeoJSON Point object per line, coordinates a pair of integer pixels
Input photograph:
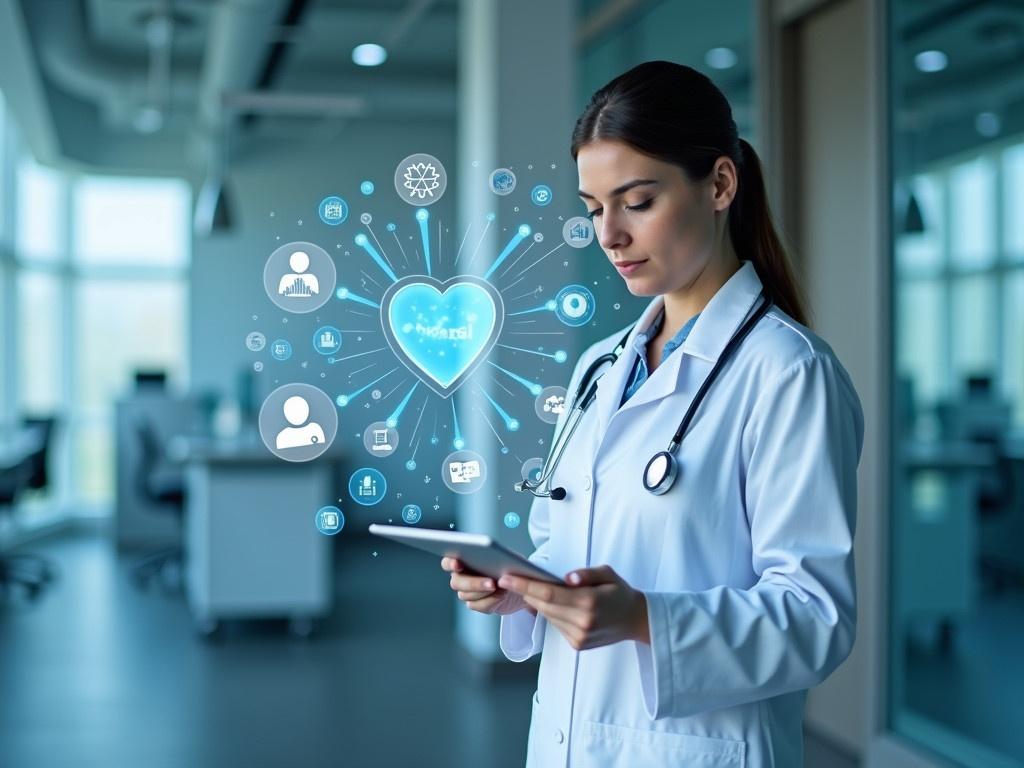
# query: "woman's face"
{"type": "Point", "coordinates": [659, 229]}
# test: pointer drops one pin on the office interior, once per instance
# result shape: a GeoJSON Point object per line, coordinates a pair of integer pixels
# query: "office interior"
{"type": "Point", "coordinates": [165, 598]}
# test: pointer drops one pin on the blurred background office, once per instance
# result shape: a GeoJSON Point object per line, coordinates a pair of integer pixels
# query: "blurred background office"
{"type": "Point", "coordinates": [165, 598]}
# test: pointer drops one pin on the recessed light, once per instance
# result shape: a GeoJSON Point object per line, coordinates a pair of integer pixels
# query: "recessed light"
{"type": "Point", "coordinates": [369, 55]}
{"type": "Point", "coordinates": [720, 58]}
{"type": "Point", "coordinates": [931, 61]}
{"type": "Point", "coordinates": [988, 124]}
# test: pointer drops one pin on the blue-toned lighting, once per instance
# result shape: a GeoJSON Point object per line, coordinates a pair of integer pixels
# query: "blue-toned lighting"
{"type": "Point", "coordinates": [720, 58]}
{"type": "Point", "coordinates": [369, 55]}
{"type": "Point", "coordinates": [931, 61]}
{"type": "Point", "coordinates": [524, 230]}
{"type": "Point", "coordinates": [422, 214]}
{"type": "Point", "coordinates": [361, 239]}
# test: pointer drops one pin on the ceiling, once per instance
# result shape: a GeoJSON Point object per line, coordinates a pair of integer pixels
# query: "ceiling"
{"type": "Point", "coordinates": [154, 86]}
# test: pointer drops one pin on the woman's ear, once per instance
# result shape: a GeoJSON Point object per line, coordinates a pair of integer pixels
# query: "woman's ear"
{"type": "Point", "coordinates": [724, 183]}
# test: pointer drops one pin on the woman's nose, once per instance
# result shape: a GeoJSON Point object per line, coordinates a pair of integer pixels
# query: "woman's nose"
{"type": "Point", "coordinates": [611, 234]}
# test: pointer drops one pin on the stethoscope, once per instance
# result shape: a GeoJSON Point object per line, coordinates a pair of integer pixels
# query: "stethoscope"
{"type": "Point", "coordinates": [662, 470]}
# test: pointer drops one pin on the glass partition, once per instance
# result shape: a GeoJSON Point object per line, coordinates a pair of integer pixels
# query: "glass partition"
{"type": "Point", "coordinates": [957, 554]}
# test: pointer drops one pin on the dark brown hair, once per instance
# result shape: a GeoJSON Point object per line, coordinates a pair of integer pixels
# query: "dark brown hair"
{"type": "Point", "coordinates": [675, 114]}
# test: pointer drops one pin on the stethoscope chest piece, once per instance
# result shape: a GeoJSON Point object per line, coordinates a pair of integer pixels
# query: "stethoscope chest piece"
{"type": "Point", "coordinates": [660, 473]}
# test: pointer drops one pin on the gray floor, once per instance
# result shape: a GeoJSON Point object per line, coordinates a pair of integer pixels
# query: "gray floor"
{"type": "Point", "coordinates": [99, 674]}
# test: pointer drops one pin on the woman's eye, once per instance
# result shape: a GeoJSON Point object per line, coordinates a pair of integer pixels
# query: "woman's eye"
{"type": "Point", "coordinates": [641, 206]}
{"type": "Point", "coordinates": [593, 213]}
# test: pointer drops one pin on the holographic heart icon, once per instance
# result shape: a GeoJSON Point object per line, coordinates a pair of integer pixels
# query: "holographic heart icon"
{"type": "Point", "coordinates": [441, 331]}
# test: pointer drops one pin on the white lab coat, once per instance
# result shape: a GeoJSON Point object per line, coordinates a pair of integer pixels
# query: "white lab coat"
{"type": "Point", "coordinates": [746, 563]}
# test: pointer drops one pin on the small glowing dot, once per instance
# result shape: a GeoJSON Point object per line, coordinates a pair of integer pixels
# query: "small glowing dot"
{"type": "Point", "coordinates": [550, 305]}
{"type": "Point", "coordinates": [342, 401]}
{"type": "Point", "coordinates": [490, 217]}
{"type": "Point", "coordinates": [560, 356]}
{"type": "Point", "coordinates": [535, 389]}
{"type": "Point", "coordinates": [422, 215]}
{"type": "Point", "coordinates": [360, 239]}
{"type": "Point", "coordinates": [392, 423]}
{"type": "Point", "coordinates": [391, 226]}
{"type": "Point", "coordinates": [410, 465]}
{"type": "Point", "coordinates": [513, 424]}
{"type": "Point", "coordinates": [366, 187]}
{"type": "Point", "coordinates": [524, 230]}
{"type": "Point", "coordinates": [342, 293]}
{"type": "Point", "coordinates": [459, 444]}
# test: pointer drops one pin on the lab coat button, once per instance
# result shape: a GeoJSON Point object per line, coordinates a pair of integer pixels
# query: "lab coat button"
{"type": "Point", "coordinates": [586, 482]}
{"type": "Point", "coordinates": [559, 737]}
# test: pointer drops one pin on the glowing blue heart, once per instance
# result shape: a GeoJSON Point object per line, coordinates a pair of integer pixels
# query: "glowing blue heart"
{"type": "Point", "coordinates": [442, 331]}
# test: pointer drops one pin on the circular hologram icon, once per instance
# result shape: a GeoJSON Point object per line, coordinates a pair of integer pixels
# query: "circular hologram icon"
{"type": "Point", "coordinates": [502, 181]}
{"type": "Point", "coordinates": [574, 305]}
{"type": "Point", "coordinates": [511, 520]}
{"type": "Point", "coordinates": [578, 232]}
{"type": "Point", "coordinates": [367, 486]}
{"type": "Point", "coordinates": [380, 440]}
{"type": "Point", "coordinates": [333, 210]}
{"type": "Point", "coordinates": [329, 521]}
{"type": "Point", "coordinates": [327, 340]}
{"type": "Point", "coordinates": [255, 341]}
{"type": "Point", "coordinates": [299, 277]}
{"type": "Point", "coordinates": [550, 404]}
{"type": "Point", "coordinates": [531, 469]}
{"type": "Point", "coordinates": [541, 195]}
{"type": "Point", "coordinates": [420, 179]}
{"type": "Point", "coordinates": [281, 350]}
{"type": "Point", "coordinates": [298, 422]}
{"type": "Point", "coordinates": [464, 472]}
{"type": "Point", "coordinates": [411, 514]}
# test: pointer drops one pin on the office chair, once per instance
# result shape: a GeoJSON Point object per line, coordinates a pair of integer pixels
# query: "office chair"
{"type": "Point", "coordinates": [27, 572]}
{"type": "Point", "coordinates": [165, 488]}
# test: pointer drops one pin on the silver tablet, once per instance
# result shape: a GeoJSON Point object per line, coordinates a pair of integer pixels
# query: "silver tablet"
{"type": "Point", "coordinates": [477, 552]}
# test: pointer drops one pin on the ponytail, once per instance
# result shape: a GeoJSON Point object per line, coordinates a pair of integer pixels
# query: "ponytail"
{"type": "Point", "coordinates": [754, 237]}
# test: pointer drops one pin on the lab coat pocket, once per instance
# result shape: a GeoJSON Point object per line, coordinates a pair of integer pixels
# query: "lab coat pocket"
{"type": "Point", "coordinates": [615, 746]}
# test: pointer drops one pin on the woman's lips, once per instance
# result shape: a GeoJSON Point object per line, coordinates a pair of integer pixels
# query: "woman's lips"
{"type": "Point", "coordinates": [629, 267]}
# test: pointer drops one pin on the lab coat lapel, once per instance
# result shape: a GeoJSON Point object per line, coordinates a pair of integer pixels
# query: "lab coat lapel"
{"type": "Point", "coordinates": [719, 320]}
{"type": "Point", "coordinates": [611, 386]}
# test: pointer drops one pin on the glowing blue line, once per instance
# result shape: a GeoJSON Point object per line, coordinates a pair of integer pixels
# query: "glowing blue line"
{"type": "Point", "coordinates": [343, 400]}
{"type": "Point", "coordinates": [558, 357]}
{"type": "Point", "coordinates": [367, 352]}
{"type": "Point", "coordinates": [533, 387]}
{"type": "Point", "coordinates": [393, 418]}
{"type": "Point", "coordinates": [522, 233]}
{"type": "Point", "coordinates": [422, 216]}
{"type": "Point", "coordinates": [547, 307]}
{"type": "Point", "coordinates": [346, 295]}
{"type": "Point", "coordinates": [458, 442]}
{"type": "Point", "coordinates": [365, 244]}
{"type": "Point", "coordinates": [484, 415]}
{"type": "Point", "coordinates": [510, 424]}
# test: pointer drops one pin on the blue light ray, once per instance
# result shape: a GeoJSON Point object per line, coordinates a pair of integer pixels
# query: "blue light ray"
{"type": "Point", "coordinates": [521, 233]}
{"type": "Point", "coordinates": [423, 216]}
{"type": "Point", "coordinates": [547, 306]}
{"type": "Point", "coordinates": [392, 420]}
{"type": "Point", "coordinates": [511, 424]}
{"type": "Point", "coordinates": [559, 356]}
{"type": "Point", "coordinates": [458, 442]}
{"type": "Point", "coordinates": [363, 242]}
{"type": "Point", "coordinates": [489, 424]}
{"type": "Point", "coordinates": [531, 386]}
{"type": "Point", "coordinates": [346, 295]}
{"type": "Point", "coordinates": [343, 400]}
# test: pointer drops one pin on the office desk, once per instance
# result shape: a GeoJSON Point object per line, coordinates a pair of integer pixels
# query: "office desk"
{"type": "Point", "coordinates": [251, 543]}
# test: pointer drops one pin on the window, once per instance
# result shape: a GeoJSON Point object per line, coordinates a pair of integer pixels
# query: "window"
{"type": "Point", "coordinates": [93, 285]}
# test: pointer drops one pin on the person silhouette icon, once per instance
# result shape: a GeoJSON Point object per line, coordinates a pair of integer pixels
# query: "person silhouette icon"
{"type": "Point", "coordinates": [296, 412]}
{"type": "Point", "coordinates": [298, 283]}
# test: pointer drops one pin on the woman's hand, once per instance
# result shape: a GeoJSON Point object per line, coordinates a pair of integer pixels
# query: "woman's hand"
{"type": "Point", "coordinates": [597, 608]}
{"type": "Point", "coordinates": [480, 592]}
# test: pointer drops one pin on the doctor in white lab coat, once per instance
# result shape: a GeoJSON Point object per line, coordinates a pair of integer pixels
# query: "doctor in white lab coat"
{"type": "Point", "coordinates": [690, 624]}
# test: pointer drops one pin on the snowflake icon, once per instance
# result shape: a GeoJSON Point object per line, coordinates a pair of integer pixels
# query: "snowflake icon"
{"type": "Point", "coordinates": [421, 179]}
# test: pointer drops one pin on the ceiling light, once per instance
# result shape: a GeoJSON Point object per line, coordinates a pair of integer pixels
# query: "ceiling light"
{"type": "Point", "coordinates": [988, 124]}
{"type": "Point", "coordinates": [931, 61]}
{"type": "Point", "coordinates": [369, 55]}
{"type": "Point", "coordinates": [720, 58]}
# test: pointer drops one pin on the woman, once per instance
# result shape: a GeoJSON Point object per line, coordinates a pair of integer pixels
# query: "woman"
{"type": "Point", "coordinates": [691, 623]}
